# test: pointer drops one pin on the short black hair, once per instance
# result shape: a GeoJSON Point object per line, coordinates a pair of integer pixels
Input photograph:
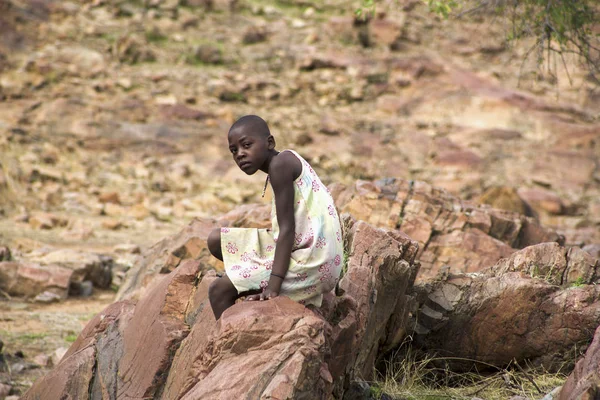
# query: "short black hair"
{"type": "Point", "coordinates": [254, 124]}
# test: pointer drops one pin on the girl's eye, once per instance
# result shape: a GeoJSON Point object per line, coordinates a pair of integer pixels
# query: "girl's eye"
{"type": "Point", "coordinates": [233, 151]}
{"type": "Point", "coordinates": [246, 145]}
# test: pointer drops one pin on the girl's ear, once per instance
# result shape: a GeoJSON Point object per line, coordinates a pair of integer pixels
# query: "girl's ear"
{"type": "Point", "coordinates": [271, 142]}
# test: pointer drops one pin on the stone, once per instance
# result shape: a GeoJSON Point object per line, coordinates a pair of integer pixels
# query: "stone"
{"type": "Point", "coordinates": [31, 279]}
{"type": "Point", "coordinates": [163, 341]}
{"type": "Point", "coordinates": [279, 344]}
{"type": "Point", "coordinates": [112, 224]}
{"type": "Point", "coordinates": [139, 211]}
{"type": "Point", "coordinates": [47, 297]}
{"type": "Point", "coordinates": [255, 34]}
{"type": "Point", "coordinates": [380, 272]}
{"type": "Point", "coordinates": [127, 248]}
{"type": "Point", "coordinates": [41, 220]}
{"type": "Point", "coordinates": [462, 236]}
{"type": "Point", "coordinates": [131, 51]}
{"type": "Point", "coordinates": [4, 390]}
{"type": "Point", "coordinates": [547, 261]}
{"type": "Point", "coordinates": [543, 201]}
{"type": "Point", "coordinates": [109, 197]}
{"type": "Point", "coordinates": [593, 250]}
{"type": "Point", "coordinates": [42, 360]}
{"type": "Point", "coordinates": [76, 372]}
{"type": "Point", "coordinates": [166, 255]}
{"type": "Point", "coordinates": [84, 265]}
{"type": "Point", "coordinates": [58, 355]}
{"type": "Point", "coordinates": [180, 111]}
{"type": "Point", "coordinates": [582, 383]}
{"type": "Point", "coordinates": [208, 54]}
{"type": "Point", "coordinates": [330, 126]}
{"type": "Point", "coordinates": [385, 31]}
{"type": "Point", "coordinates": [520, 309]}
{"type": "Point", "coordinates": [504, 198]}
{"type": "Point", "coordinates": [5, 254]}
{"type": "Point", "coordinates": [82, 61]}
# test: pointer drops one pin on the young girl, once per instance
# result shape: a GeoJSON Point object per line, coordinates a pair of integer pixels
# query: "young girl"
{"type": "Point", "coordinates": [301, 256]}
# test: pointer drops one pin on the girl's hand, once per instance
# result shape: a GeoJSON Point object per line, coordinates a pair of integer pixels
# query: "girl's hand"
{"type": "Point", "coordinates": [267, 294]}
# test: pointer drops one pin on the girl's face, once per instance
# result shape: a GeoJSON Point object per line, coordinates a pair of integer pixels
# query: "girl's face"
{"type": "Point", "coordinates": [250, 151]}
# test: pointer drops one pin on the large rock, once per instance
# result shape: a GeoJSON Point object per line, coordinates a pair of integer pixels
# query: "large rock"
{"type": "Point", "coordinates": [380, 274]}
{"type": "Point", "coordinates": [30, 279]}
{"type": "Point", "coordinates": [132, 345]}
{"type": "Point", "coordinates": [168, 344]}
{"type": "Point", "coordinates": [86, 266]}
{"type": "Point", "coordinates": [584, 381]}
{"type": "Point", "coordinates": [451, 233]}
{"type": "Point", "coordinates": [166, 255]}
{"type": "Point", "coordinates": [537, 305]}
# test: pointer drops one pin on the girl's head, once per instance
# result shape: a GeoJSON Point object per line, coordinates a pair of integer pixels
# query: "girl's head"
{"type": "Point", "coordinates": [251, 144]}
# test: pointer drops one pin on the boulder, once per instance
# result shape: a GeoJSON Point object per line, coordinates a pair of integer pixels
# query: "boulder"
{"type": "Point", "coordinates": [166, 255]}
{"type": "Point", "coordinates": [536, 306]}
{"type": "Point", "coordinates": [85, 266]}
{"type": "Point", "coordinates": [380, 274]}
{"type": "Point", "coordinates": [451, 233]}
{"type": "Point", "coordinates": [168, 345]}
{"type": "Point", "coordinates": [583, 383]}
{"type": "Point", "coordinates": [30, 279]}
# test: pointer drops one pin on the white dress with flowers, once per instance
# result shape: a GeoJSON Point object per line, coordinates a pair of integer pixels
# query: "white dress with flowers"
{"type": "Point", "coordinates": [317, 253]}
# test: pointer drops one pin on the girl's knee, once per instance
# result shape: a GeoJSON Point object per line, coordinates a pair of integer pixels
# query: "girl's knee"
{"type": "Point", "coordinates": [214, 242]}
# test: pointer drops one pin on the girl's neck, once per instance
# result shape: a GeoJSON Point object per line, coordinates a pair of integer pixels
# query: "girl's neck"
{"type": "Point", "coordinates": [265, 167]}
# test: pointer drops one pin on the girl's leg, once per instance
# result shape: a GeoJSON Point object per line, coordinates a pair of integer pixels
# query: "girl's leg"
{"type": "Point", "coordinates": [222, 295]}
{"type": "Point", "coordinates": [214, 244]}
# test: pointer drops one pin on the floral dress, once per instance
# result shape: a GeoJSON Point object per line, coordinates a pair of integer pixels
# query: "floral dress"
{"type": "Point", "coordinates": [317, 253]}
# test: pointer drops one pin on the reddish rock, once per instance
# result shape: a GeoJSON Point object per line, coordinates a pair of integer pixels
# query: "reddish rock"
{"type": "Point", "coordinates": [542, 200]}
{"type": "Point", "coordinates": [30, 279]}
{"type": "Point", "coordinates": [593, 250]}
{"type": "Point", "coordinates": [168, 345]}
{"type": "Point", "coordinates": [166, 255]}
{"type": "Point", "coordinates": [181, 111]}
{"type": "Point", "coordinates": [583, 382]}
{"type": "Point", "coordinates": [450, 232]}
{"type": "Point", "coordinates": [154, 332]}
{"type": "Point", "coordinates": [73, 380]}
{"type": "Point", "coordinates": [279, 345]}
{"type": "Point", "coordinates": [555, 264]}
{"type": "Point", "coordinates": [380, 272]}
{"type": "Point", "coordinates": [248, 215]}
{"type": "Point", "coordinates": [515, 310]}
{"type": "Point", "coordinates": [109, 197]}
{"type": "Point", "coordinates": [385, 31]}
{"type": "Point", "coordinates": [86, 266]}
{"type": "Point", "coordinates": [504, 198]}
{"type": "Point", "coordinates": [325, 60]}
{"type": "Point", "coordinates": [5, 254]}
{"type": "Point", "coordinates": [458, 158]}
{"type": "Point", "coordinates": [41, 220]}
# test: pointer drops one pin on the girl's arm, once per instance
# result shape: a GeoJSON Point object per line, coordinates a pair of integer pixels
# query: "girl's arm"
{"type": "Point", "coordinates": [284, 169]}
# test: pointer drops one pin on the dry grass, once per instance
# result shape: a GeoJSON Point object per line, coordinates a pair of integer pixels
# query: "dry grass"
{"type": "Point", "coordinates": [411, 375]}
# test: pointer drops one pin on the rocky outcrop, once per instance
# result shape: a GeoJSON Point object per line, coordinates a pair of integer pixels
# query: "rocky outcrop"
{"type": "Point", "coordinates": [537, 305]}
{"type": "Point", "coordinates": [451, 233]}
{"type": "Point", "coordinates": [168, 345]}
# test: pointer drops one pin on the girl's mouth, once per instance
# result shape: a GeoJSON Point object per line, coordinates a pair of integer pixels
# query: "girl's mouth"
{"type": "Point", "coordinates": [244, 164]}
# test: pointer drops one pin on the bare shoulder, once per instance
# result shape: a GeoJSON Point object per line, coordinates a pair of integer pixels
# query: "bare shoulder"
{"type": "Point", "coordinates": [285, 165]}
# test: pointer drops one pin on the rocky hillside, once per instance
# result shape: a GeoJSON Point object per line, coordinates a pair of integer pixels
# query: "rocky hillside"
{"type": "Point", "coordinates": [113, 117]}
